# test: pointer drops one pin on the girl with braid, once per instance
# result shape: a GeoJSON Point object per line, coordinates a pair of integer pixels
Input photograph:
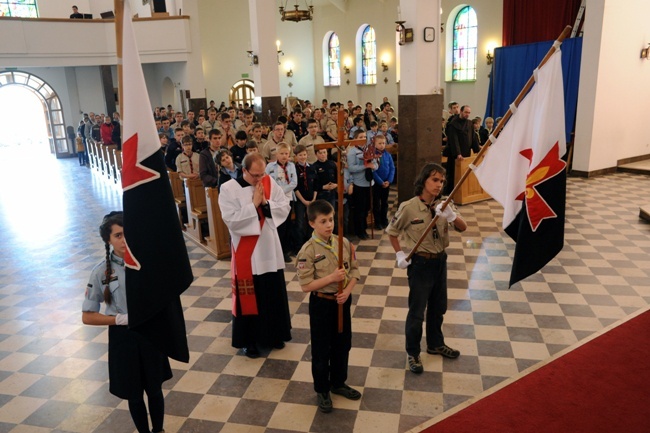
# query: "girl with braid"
{"type": "Point", "coordinates": [134, 364]}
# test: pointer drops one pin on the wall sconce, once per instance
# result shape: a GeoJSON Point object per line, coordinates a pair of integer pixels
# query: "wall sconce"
{"type": "Point", "coordinates": [253, 57]}
{"type": "Point", "coordinates": [645, 53]}
{"type": "Point", "coordinates": [489, 58]}
{"type": "Point", "coordinates": [384, 66]}
{"type": "Point", "coordinates": [288, 67]}
{"type": "Point", "coordinates": [280, 52]}
{"type": "Point", "coordinates": [346, 65]}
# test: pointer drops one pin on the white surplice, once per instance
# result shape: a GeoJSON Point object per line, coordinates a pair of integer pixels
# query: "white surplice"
{"type": "Point", "coordinates": [241, 217]}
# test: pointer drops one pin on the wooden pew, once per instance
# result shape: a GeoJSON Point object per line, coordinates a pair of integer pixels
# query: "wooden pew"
{"type": "Point", "coordinates": [118, 166]}
{"type": "Point", "coordinates": [178, 190]}
{"type": "Point", "coordinates": [92, 154]}
{"type": "Point", "coordinates": [107, 152]}
{"type": "Point", "coordinates": [219, 239]}
{"type": "Point", "coordinates": [196, 209]}
{"type": "Point", "coordinates": [470, 191]}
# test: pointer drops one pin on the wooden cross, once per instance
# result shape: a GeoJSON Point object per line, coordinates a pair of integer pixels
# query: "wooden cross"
{"type": "Point", "coordinates": [341, 144]}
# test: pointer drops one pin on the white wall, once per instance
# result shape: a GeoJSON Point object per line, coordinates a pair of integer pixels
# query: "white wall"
{"type": "Point", "coordinates": [614, 95]}
{"type": "Point", "coordinates": [63, 9]}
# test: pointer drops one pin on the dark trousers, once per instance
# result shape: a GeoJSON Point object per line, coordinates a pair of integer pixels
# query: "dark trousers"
{"type": "Point", "coordinates": [302, 230]}
{"type": "Point", "coordinates": [380, 204]}
{"type": "Point", "coordinates": [330, 349]}
{"type": "Point", "coordinates": [360, 208]}
{"type": "Point", "coordinates": [427, 291]}
{"type": "Point", "coordinates": [285, 233]}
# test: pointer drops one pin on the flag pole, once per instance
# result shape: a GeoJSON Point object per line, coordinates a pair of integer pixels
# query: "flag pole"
{"type": "Point", "coordinates": [497, 131]}
{"type": "Point", "coordinates": [118, 6]}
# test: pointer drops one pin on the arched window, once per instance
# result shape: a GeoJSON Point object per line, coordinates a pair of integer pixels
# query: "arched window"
{"type": "Point", "coordinates": [243, 91]}
{"type": "Point", "coordinates": [368, 56]}
{"type": "Point", "coordinates": [465, 45]}
{"type": "Point", "coordinates": [18, 8]}
{"type": "Point", "coordinates": [334, 60]}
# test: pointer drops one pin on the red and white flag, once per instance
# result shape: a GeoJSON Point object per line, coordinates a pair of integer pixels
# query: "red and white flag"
{"type": "Point", "coordinates": [524, 171]}
{"type": "Point", "coordinates": [158, 268]}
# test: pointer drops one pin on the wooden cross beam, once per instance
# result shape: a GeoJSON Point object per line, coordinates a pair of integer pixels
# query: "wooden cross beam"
{"type": "Point", "coordinates": [341, 144]}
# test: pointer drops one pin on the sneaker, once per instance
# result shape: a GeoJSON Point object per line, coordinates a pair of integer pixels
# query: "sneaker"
{"type": "Point", "coordinates": [415, 364]}
{"type": "Point", "coordinates": [445, 351]}
{"type": "Point", "coordinates": [324, 402]}
{"type": "Point", "coordinates": [347, 392]}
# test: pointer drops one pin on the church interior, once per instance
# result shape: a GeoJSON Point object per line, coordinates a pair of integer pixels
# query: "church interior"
{"type": "Point", "coordinates": [53, 369]}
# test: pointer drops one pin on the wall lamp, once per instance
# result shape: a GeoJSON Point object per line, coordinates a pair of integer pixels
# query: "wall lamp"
{"type": "Point", "coordinates": [384, 66]}
{"type": "Point", "coordinates": [346, 65]}
{"type": "Point", "coordinates": [645, 53]}
{"type": "Point", "coordinates": [280, 52]}
{"type": "Point", "coordinates": [489, 58]}
{"type": "Point", "coordinates": [290, 73]}
{"type": "Point", "coordinates": [253, 57]}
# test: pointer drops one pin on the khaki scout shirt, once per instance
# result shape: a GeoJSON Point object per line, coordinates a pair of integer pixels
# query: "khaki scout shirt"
{"type": "Point", "coordinates": [314, 261]}
{"type": "Point", "coordinates": [412, 217]}
{"type": "Point", "coordinates": [309, 143]}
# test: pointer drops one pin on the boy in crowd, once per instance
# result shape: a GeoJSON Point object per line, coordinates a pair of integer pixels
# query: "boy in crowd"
{"type": "Point", "coordinates": [305, 192]}
{"type": "Point", "coordinates": [358, 124]}
{"type": "Point", "coordinates": [383, 177]}
{"type": "Point", "coordinates": [200, 143]}
{"type": "Point", "coordinates": [251, 147]}
{"type": "Point", "coordinates": [361, 177]}
{"type": "Point", "coordinates": [325, 177]}
{"type": "Point", "coordinates": [187, 162]}
{"type": "Point", "coordinates": [256, 134]}
{"type": "Point", "coordinates": [283, 172]}
{"type": "Point", "coordinates": [311, 140]}
{"type": "Point", "coordinates": [238, 150]}
{"type": "Point", "coordinates": [174, 149]}
{"type": "Point", "coordinates": [383, 130]}
{"type": "Point", "coordinates": [164, 141]}
{"type": "Point", "coordinates": [329, 349]}
{"type": "Point", "coordinates": [374, 130]}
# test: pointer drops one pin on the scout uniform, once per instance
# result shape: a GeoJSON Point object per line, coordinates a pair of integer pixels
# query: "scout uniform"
{"type": "Point", "coordinates": [132, 360]}
{"type": "Point", "coordinates": [329, 348]}
{"type": "Point", "coordinates": [427, 273]}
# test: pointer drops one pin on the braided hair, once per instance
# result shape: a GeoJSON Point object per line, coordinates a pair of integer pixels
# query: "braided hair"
{"type": "Point", "coordinates": [105, 229]}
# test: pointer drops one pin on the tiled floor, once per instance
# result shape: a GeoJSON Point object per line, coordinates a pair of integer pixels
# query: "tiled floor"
{"type": "Point", "coordinates": [53, 373]}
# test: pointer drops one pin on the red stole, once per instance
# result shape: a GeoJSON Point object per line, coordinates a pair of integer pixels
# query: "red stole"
{"type": "Point", "coordinates": [241, 268]}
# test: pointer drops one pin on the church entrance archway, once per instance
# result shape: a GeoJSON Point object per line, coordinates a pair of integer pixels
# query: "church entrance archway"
{"type": "Point", "coordinates": [52, 108]}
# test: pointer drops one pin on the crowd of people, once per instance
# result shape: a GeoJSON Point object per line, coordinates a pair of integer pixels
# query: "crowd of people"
{"type": "Point", "coordinates": [289, 147]}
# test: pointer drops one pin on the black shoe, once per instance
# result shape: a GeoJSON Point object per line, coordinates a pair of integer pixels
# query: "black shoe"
{"type": "Point", "coordinates": [379, 226]}
{"type": "Point", "coordinates": [363, 236]}
{"type": "Point", "coordinates": [287, 258]}
{"type": "Point", "coordinates": [445, 351]}
{"type": "Point", "coordinates": [279, 345]}
{"type": "Point", "coordinates": [415, 364]}
{"type": "Point", "coordinates": [324, 402]}
{"type": "Point", "coordinates": [347, 392]}
{"type": "Point", "coordinates": [251, 352]}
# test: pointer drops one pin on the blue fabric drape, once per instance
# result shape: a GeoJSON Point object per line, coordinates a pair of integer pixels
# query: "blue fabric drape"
{"type": "Point", "coordinates": [514, 65]}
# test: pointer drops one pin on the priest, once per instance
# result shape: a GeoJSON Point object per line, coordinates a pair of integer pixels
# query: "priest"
{"type": "Point", "coordinates": [252, 207]}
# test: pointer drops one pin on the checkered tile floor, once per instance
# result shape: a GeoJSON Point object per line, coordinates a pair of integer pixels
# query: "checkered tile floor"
{"type": "Point", "coordinates": [53, 372]}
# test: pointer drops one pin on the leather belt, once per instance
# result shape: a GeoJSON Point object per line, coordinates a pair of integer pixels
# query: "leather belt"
{"type": "Point", "coordinates": [429, 256]}
{"type": "Point", "coordinates": [324, 296]}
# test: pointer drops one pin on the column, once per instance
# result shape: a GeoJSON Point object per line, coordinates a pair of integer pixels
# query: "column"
{"type": "Point", "coordinates": [265, 73]}
{"type": "Point", "coordinates": [420, 99]}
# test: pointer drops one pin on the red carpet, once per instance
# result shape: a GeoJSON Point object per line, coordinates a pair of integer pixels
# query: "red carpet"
{"type": "Point", "coordinates": [602, 386]}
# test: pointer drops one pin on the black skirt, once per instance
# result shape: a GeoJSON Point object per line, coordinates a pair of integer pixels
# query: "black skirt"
{"type": "Point", "coordinates": [273, 323]}
{"type": "Point", "coordinates": [134, 364]}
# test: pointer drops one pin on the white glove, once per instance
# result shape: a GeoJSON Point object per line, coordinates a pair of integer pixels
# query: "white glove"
{"type": "Point", "coordinates": [402, 263]}
{"type": "Point", "coordinates": [121, 319]}
{"type": "Point", "coordinates": [448, 213]}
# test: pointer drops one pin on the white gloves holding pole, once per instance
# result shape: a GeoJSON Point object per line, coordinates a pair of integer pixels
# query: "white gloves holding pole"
{"type": "Point", "coordinates": [448, 213]}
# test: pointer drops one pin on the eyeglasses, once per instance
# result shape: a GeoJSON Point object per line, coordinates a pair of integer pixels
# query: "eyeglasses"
{"type": "Point", "coordinates": [255, 176]}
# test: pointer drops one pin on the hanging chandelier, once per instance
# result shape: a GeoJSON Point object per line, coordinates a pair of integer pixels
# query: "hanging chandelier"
{"type": "Point", "coordinates": [297, 14]}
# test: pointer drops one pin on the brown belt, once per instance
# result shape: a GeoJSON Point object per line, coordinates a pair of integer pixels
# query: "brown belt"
{"type": "Point", "coordinates": [429, 256]}
{"type": "Point", "coordinates": [324, 296]}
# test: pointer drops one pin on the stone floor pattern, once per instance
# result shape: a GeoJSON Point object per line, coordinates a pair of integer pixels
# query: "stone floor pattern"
{"type": "Point", "coordinates": [53, 369]}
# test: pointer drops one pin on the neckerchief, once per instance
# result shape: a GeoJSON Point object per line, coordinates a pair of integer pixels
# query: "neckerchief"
{"type": "Point", "coordinates": [328, 246]}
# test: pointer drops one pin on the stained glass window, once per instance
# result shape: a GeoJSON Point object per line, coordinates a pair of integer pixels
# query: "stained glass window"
{"type": "Point", "coordinates": [465, 45]}
{"type": "Point", "coordinates": [334, 60]}
{"type": "Point", "coordinates": [368, 56]}
{"type": "Point", "coordinates": [18, 8]}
